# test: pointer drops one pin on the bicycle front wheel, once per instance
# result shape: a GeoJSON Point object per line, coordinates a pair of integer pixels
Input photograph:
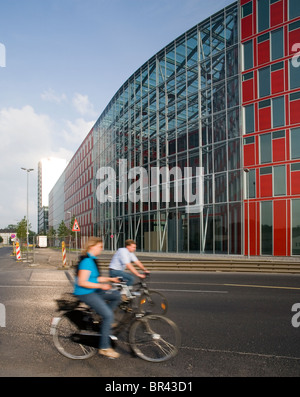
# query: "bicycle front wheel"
{"type": "Point", "coordinates": [67, 340]}
{"type": "Point", "coordinates": [153, 302]}
{"type": "Point", "coordinates": [154, 338]}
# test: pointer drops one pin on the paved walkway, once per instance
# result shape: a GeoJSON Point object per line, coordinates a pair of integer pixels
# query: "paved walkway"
{"type": "Point", "coordinates": [44, 257]}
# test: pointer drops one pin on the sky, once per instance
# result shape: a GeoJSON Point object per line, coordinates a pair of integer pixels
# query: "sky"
{"type": "Point", "coordinates": [61, 62]}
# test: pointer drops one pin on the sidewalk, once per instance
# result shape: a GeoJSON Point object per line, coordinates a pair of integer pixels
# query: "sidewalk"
{"type": "Point", "coordinates": [49, 257]}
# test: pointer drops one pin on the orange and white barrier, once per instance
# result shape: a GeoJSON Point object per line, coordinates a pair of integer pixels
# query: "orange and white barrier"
{"type": "Point", "coordinates": [64, 254]}
{"type": "Point", "coordinates": [18, 252]}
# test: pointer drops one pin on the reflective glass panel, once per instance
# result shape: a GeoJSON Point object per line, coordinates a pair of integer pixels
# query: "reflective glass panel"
{"type": "Point", "coordinates": [266, 228]}
{"type": "Point", "coordinates": [296, 227]}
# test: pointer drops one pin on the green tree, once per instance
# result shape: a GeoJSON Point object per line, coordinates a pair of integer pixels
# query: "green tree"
{"type": "Point", "coordinates": [51, 236]}
{"type": "Point", "coordinates": [22, 229]}
{"type": "Point", "coordinates": [63, 230]}
{"type": "Point", "coordinates": [51, 232]}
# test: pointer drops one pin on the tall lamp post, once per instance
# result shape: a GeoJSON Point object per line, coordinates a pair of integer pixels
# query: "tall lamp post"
{"type": "Point", "coordinates": [69, 212]}
{"type": "Point", "coordinates": [27, 232]}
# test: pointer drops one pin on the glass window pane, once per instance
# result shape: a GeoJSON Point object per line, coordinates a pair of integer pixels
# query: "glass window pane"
{"type": "Point", "coordinates": [277, 44]}
{"type": "Point", "coordinates": [232, 64]}
{"type": "Point", "coordinates": [234, 148]}
{"type": "Point", "coordinates": [205, 41]}
{"type": "Point", "coordinates": [192, 49]}
{"type": "Point", "coordinates": [180, 56]}
{"type": "Point", "coordinates": [295, 143]}
{"type": "Point", "coordinates": [219, 97]}
{"type": "Point", "coordinates": [233, 123]}
{"type": "Point", "coordinates": [278, 111]}
{"type": "Point", "coordinates": [220, 188]}
{"type": "Point", "coordinates": [249, 119]}
{"type": "Point", "coordinates": [234, 186]}
{"type": "Point", "coordinates": [247, 9]}
{"type": "Point", "coordinates": [264, 82]}
{"type": "Point", "coordinates": [218, 37]}
{"type": "Point", "coordinates": [294, 76]}
{"type": "Point", "coordinates": [266, 228]}
{"type": "Point", "coordinates": [231, 23]}
{"type": "Point", "coordinates": [294, 8]}
{"type": "Point", "coordinates": [221, 228]}
{"type": "Point", "coordinates": [220, 158]}
{"type": "Point", "coordinates": [252, 184]}
{"type": "Point", "coordinates": [263, 15]}
{"type": "Point", "coordinates": [194, 233]}
{"type": "Point", "coordinates": [279, 181]}
{"type": "Point", "coordinates": [233, 92]}
{"type": "Point", "coordinates": [296, 227]}
{"type": "Point", "coordinates": [265, 149]}
{"type": "Point", "coordinates": [248, 55]}
{"type": "Point", "coordinates": [235, 244]}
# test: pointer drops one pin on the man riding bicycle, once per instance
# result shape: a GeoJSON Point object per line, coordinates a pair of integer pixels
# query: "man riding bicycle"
{"type": "Point", "coordinates": [122, 260]}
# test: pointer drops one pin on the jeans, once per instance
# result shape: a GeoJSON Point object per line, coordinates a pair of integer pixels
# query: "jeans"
{"type": "Point", "coordinates": [97, 301]}
{"type": "Point", "coordinates": [129, 278]}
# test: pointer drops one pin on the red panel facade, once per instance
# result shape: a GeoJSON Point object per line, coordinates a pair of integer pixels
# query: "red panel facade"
{"type": "Point", "coordinates": [274, 93]}
{"type": "Point", "coordinates": [79, 188]}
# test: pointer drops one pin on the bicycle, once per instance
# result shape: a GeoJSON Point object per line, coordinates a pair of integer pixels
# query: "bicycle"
{"type": "Point", "coordinates": [76, 332]}
{"type": "Point", "coordinates": [144, 299]}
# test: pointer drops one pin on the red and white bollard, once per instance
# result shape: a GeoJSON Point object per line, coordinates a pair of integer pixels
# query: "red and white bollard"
{"type": "Point", "coordinates": [64, 254]}
{"type": "Point", "coordinates": [18, 252]}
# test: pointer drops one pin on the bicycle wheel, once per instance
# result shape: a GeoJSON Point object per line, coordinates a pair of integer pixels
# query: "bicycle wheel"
{"type": "Point", "coordinates": [65, 334]}
{"type": "Point", "coordinates": [154, 338]}
{"type": "Point", "coordinates": [153, 302]}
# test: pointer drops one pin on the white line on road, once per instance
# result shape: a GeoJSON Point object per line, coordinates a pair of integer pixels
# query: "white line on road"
{"type": "Point", "coordinates": [240, 353]}
{"type": "Point", "coordinates": [164, 290]}
{"type": "Point", "coordinates": [192, 290]}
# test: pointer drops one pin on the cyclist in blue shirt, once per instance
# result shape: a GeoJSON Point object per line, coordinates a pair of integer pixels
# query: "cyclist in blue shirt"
{"type": "Point", "coordinates": [122, 260]}
{"type": "Point", "coordinates": [95, 290]}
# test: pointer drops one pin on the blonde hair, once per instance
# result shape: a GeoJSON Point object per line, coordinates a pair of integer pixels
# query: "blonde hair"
{"type": "Point", "coordinates": [92, 241]}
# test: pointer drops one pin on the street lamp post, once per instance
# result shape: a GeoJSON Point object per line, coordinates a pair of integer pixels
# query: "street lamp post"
{"type": "Point", "coordinates": [27, 232]}
{"type": "Point", "coordinates": [69, 212]}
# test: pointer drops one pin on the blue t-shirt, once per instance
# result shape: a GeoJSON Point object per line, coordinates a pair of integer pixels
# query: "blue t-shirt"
{"type": "Point", "coordinates": [87, 264]}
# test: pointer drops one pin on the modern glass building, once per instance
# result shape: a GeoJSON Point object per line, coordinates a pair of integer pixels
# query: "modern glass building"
{"type": "Point", "coordinates": [221, 101]}
{"type": "Point", "coordinates": [180, 109]}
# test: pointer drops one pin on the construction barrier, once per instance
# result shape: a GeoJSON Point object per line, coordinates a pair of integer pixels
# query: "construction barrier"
{"type": "Point", "coordinates": [18, 252]}
{"type": "Point", "coordinates": [64, 254]}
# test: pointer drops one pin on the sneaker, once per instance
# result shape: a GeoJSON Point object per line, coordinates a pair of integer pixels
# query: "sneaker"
{"type": "Point", "coordinates": [110, 353]}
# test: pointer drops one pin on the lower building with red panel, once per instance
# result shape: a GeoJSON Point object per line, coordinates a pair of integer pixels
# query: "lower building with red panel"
{"type": "Point", "coordinates": [270, 39]}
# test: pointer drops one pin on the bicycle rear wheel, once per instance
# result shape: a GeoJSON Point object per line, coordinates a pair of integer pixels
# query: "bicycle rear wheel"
{"type": "Point", "coordinates": [68, 341]}
{"type": "Point", "coordinates": [154, 338]}
{"type": "Point", "coordinates": [153, 302]}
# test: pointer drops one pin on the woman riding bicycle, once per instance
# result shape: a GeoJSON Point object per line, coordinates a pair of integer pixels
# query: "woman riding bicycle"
{"type": "Point", "coordinates": [94, 290]}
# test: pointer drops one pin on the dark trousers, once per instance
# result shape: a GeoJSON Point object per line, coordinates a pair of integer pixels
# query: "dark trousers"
{"type": "Point", "coordinates": [104, 303]}
{"type": "Point", "coordinates": [129, 278]}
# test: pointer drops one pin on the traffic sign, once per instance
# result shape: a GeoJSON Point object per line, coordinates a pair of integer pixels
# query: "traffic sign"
{"type": "Point", "coordinates": [76, 227]}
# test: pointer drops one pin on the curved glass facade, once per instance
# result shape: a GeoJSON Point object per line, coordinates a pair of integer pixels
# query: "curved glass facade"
{"type": "Point", "coordinates": [180, 109]}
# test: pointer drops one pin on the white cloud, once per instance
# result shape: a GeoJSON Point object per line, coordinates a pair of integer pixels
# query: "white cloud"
{"type": "Point", "coordinates": [51, 96]}
{"type": "Point", "coordinates": [26, 137]}
{"type": "Point", "coordinates": [75, 132]}
{"type": "Point", "coordinates": [83, 106]}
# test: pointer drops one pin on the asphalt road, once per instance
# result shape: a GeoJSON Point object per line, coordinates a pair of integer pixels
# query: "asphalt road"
{"type": "Point", "coordinates": [231, 325]}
